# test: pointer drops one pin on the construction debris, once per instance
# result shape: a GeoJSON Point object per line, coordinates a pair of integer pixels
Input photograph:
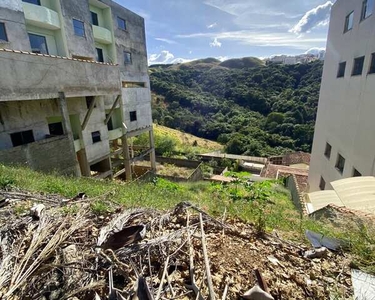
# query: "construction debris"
{"type": "Point", "coordinates": [149, 254]}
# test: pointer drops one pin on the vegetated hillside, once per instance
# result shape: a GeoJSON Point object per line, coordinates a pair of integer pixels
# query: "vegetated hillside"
{"type": "Point", "coordinates": [186, 142]}
{"type": "Point", "coordinates": [262, 110]}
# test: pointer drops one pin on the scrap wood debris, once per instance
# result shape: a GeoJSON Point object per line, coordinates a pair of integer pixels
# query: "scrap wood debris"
{"type": "Point", "coordinates": [148, 254]}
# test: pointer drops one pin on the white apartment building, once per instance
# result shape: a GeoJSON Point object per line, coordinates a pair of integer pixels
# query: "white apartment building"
{"type": "Point", "coordinates": [74, 86]}
{"type": "Point", "coordinates": [344, 141]}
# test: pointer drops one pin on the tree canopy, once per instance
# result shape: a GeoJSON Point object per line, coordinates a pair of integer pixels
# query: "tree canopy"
{"type": "Point", "coordinates": [262, 110]}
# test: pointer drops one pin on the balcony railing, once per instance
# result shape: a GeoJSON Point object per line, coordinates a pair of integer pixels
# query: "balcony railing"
{"type": "Point", "coordinates": [102, 35]}
{"type": "Point", "coordinates": [41, 16]}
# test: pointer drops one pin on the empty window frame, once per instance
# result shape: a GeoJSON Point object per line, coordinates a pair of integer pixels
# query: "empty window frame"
{"type": "Point", "coordinates": [133, 116]}
{"type": "Point", "coordinates": [94, 18]}
{"type": "Point", "coordinates": [22, 138]}
{"type": "Point", "coordinates": [349, 22]}
{"type": "Point", "coordinates": [372, 64]}
{"type": "Point", "coordinates": [89, 100]}
{"type": "Point", "coordinates": [56, 129]}
{"type": "Point", "coordinates": [3, 33]}
{"type": "Point", "coordinates": [79, 28]}
{"type": "Point", "coordinates": [132, 84]}
{"type": "Point", "coordinates": [358, 66]}
{"type": "Point", "coordinates": [95, 137]}
{"type": "Point", "coordinates": [341, 69]}
{"type": "Point", "coordinates": [322, 184]}
{"type": "Point", "coordinates": [367, 9]}
{"type": "Point", "coordinates": [110, 123]}
{"type": "Point", "coordinates": [328, 150]}
{"type": "Point", "coordinates": [340, 163]}
{"type": "Point", "coordinates": [127, 58]}
{"type": "Point", "coordinates": [36, 2]}
{"type": "Point", "coordinates": [121, 23]}
{"type": "Point", "coordinates": [38, 43]}
{"type": "Point", "coordinates": [99, 55]}
{"type": "Point", "coordinates": [356, 173]}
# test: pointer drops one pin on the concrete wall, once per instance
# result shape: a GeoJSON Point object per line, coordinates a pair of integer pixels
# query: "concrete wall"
{"type": "Point", "coordinates": [77, 45]}
{"type": "Point", "coordinates": [192, 164]}
{"type": "Point", "coordinates": [58, 151]}
{"type": "Point", "coordinates": [34, 115]}
{"type": "Point", "coordinates": [346, 107]}
{"type": "Point", "coordinates": [43, 77]}
{"type": "Point", "coordinates": [11, 14]}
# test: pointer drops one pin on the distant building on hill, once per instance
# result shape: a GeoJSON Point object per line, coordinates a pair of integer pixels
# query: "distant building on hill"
{"type": "Point", "coordinates": [344, 141]}
{"type": "Point", "coordinates": [74, 86]}
{"type": "Point", "coordinates": [293, 60]}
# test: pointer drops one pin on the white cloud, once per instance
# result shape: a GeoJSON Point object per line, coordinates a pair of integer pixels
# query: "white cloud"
{"type": "Point", "coordinates": [165, 57]}
{"type": "Point", "coordinates": [315, 50]}
{"type": "Point", "coordinates": [222, 58]}
{"type": "Point", "coordinates": [259, 38]}
{"type": "Point", "coordinates": [317, 16]}
{"type": "Point", "coordinates": [215, 43]}
{"type": "Point", "coordinates": [212, 26]}
{"type": "Point", "coordinates": [168, 41]}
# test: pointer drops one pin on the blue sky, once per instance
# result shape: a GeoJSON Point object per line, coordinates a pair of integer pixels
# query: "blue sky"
{"type": "Point", "coordinates": [182, 30]}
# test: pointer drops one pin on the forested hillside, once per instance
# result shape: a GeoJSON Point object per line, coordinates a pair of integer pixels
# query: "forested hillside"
{"type": "Point", "coordinates": [258, 110]}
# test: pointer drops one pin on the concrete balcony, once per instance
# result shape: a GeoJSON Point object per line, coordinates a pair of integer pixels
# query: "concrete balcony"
{"type": "Point", "coordinates": [115, 134]}
{"type": "Point", "coordinates": [41, 16]}
{"type": "Point", "coordinates": [102, 35]}
{"type": "Point", "coordinates": [29, 76]}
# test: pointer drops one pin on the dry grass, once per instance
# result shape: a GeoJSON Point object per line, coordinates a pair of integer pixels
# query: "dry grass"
{"type": "Point", "coordinates": [186, 140]}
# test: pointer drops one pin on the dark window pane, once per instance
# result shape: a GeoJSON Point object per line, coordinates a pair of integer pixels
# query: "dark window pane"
{"type": "Point", "coordinates": [95, 137]}
{"type": "Point", "coordinates": [121, 23]}
{"type": "Point", "coordinates": [36, 2]}
{"type": "Point", "coordinates": [356, 173]}
{"type": "Point", "coordinates": [322, 184]}
{"type": "Point", "coordinates": [340, 164]}
{"type": "Point", "coordinates": [328, 150]}
{"type": "Point", "coordinates": [38, 43]}
{"type": "Point", "coordinates": [3, 34]}
{"type": "Point", "coordinates": [56, 129]}
{"type": "Point", "coordinates": [94, 18]}
{"type": "Point", "coordinates": [358, 66]}
{"type": "Point", "coordinates": [372, 66]}
{"type": "Point", "coordinates": [79, 28]}
{"type": "Point", "coordinates": [133, 116]}
{"type": "Point", "coordinates": [349, 21]}
{"type": "Point", "coordinates": [127, 58]}
{"type": "Point", "coordinates": [22, 138]}
{"type": "Point", "coordinates": [341, 70]}
{"type": "Point", "coordinates": [99, 55]}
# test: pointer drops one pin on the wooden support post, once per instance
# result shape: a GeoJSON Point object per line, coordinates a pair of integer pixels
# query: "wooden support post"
{"type": "Point", "coordinates": [125, 148]}
{"type": "Point", "coordinates": [152, 147]}
{"type": "Point", "coordinates": [67, 127]}
{"type": "Point", "coordinates": [112, 109]}
{"type": "Point", "coordinates": [88, 114]}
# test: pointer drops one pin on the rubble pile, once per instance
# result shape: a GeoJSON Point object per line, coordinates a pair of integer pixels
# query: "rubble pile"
{"type": "Point", "coordinates": [60, 250]}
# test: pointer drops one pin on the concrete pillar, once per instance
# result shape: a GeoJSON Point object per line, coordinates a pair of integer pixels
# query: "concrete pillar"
{"type": "Point", "coordinates": [152, 154]}
{"type": "Point", "coordinates": [126, 152]}
{"type": "Point", "coordinates": [67, 127]}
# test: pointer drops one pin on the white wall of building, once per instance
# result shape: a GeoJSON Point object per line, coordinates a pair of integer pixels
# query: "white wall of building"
{"type": "Point", "coordinates": [346, 113]}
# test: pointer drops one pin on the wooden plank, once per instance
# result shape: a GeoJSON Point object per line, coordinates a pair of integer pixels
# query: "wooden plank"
{"type": "Point", "coordinates": [119, 173]}
{"type": "Point", "coordinates": [112, 109]}
{"type": "Point", "coordinates": [88, 114]}
{"type": "Point", "coordinates": [138, 132]}
{"type": "Point", "coordinates": [142, 155]}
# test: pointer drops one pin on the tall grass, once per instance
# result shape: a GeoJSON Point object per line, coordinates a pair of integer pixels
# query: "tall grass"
{"type": "Point", "coordinates": [278, 213]}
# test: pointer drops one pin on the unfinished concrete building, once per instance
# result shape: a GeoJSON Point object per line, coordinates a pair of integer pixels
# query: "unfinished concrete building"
{"type": "Point", "coordinates": [74, 86]}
